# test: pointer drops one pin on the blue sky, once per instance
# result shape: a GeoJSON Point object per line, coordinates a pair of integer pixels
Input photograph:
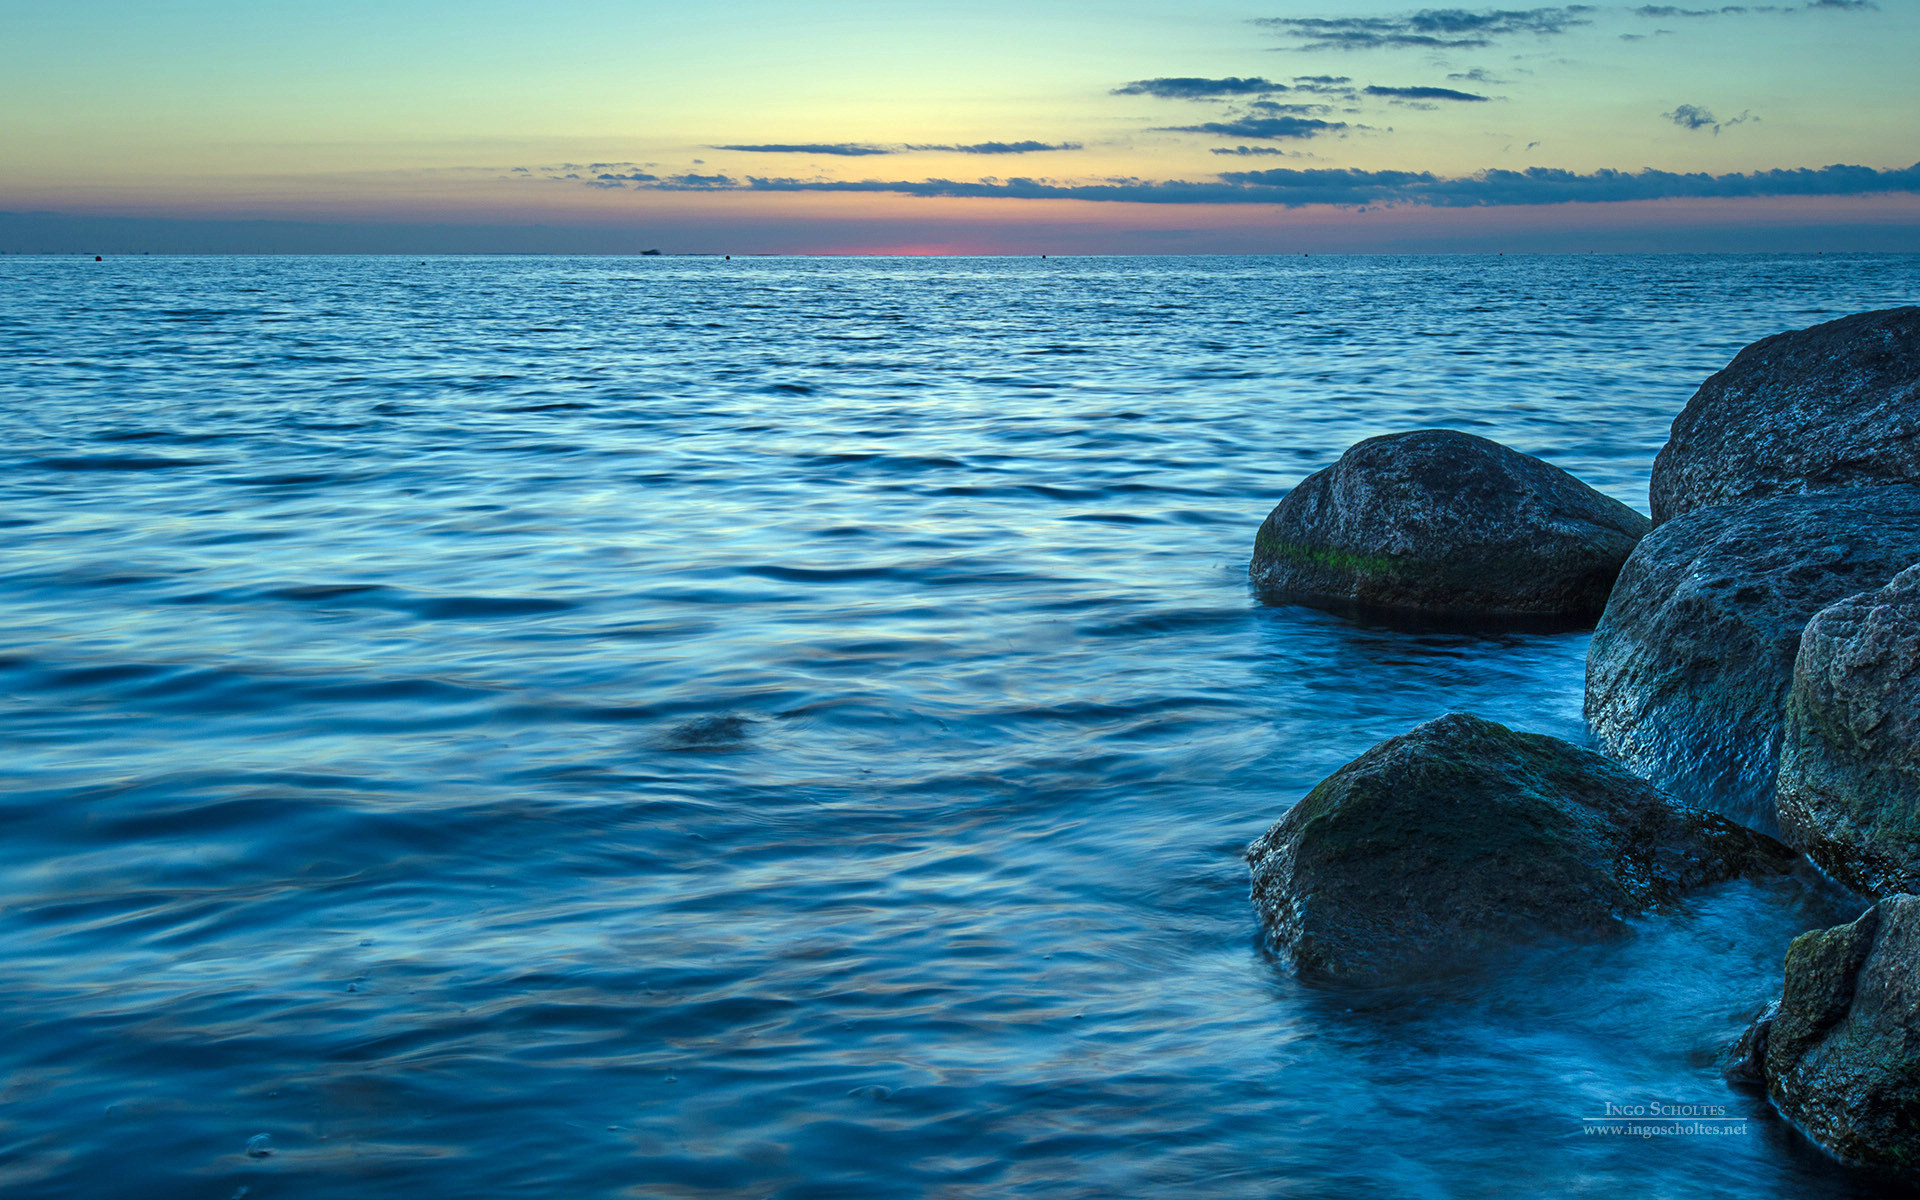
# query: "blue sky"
{"type": "Point", "coordinates": [854, 125]}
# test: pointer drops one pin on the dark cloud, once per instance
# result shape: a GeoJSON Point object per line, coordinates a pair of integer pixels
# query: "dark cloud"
{"type": "Point", "coordinates": [1248, 151]}
{"type": "Point", "coordinates": [1185, 87]}
{"type": "Point", "coordinates": [1264, 128]}
{"type": "Point", "coordinates": [1439, 28]}
{"type": "Point", "coordinates": [609, 179]}
{"type": "Point", "coordinates": [1545, 185]}
{"type": "Point", "coordinates": [1422, 93]}
{"type": "Point", "coordinates": [844, 149]}
{"type": "Point", "coordinates": [1692, 116]}
{"type": "Point", "coordinates": [1322, 80]}
{"type": "Point", "coordinates": [1358, 189]}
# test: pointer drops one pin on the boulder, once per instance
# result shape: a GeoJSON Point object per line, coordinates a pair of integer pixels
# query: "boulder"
{"type": "Point", "coordinates": [1834, 406]}
{"type": "Point", "coordinates": [1462, 837]}
{"type": "Point", "coordinates": [1840, 1053]}
{"type": "Point", "coordinates": [1447, 523]}
{"type": "Point", "coordinates": [1848, 793]}
{"type": "Point", "coordinates": [1688, 673]}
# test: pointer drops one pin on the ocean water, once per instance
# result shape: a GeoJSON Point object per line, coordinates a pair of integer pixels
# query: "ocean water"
{"type": "Point", "coordinates": [691, 728]}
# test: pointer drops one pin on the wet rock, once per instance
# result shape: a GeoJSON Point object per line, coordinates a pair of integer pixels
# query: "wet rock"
{"type": "Point", "coordinates": [1841, 1053]}
{"type": "Point", "coordinates": [1688, 673]}
{"type": "Point", "coordinates": [1834, 406]}
{"type": "Point", "coordinates": [1462, 837]}
{"type": "Point", "coordinates": [1746, 1061]}
{"type": "Point", "coordinates": [1442, 522]}
{"type": "Point", "coordinates": [1849, 786]}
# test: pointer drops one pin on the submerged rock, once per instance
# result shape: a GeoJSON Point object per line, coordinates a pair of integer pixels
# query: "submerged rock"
{"type": "Point", "coordinates": [710, 733]}
{"type": "Point", "coordinates": [1849, 785]}
{"type": "Point", "coordinates": [1448, 523]}
{"type": "Point", "coordinates": [1688, 673]}
{"type": "Point", "coordinates": [1461, 837]}
{"type": "Point", "coordinates": [1834, 406]}
{"type": "Point", "coordinates": [1840, 1054]}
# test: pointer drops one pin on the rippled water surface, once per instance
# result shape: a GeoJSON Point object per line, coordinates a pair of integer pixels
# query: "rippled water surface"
{"type": "Point", "coordinates": [786, 727]}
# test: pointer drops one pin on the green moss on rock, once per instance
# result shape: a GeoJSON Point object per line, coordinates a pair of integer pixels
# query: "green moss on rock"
{"type": "Point", "coordinates": [1442, 522]}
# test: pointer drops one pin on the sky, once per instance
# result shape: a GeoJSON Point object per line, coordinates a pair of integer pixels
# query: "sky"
{"type": "Point", "coordinates": [979, 126]}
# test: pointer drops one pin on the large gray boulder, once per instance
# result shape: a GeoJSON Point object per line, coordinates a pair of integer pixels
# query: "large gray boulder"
{"type": "Point", "coordinates": [1688, 673]}
{"type": "Point", "coordinates": [1834, 406]}
{"type": "Point", "coordinates": [1462, 837]}
{"type": "Point", "coordinates": [1442, 522]}
{"type": "Point", "coordinates": [1849, 785]}
{"type": "Point", "coordinates": [1840, 1053]}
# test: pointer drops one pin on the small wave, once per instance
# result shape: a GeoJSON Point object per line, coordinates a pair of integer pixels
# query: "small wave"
{"type": "Point", "coordinates": [457, 608]}
{"type": "Point", "coordinates": [823, 574]}
{"type": "Point", "coordinates": [117, 462]}
{"type": "Point", "coordinates": [321, 592]}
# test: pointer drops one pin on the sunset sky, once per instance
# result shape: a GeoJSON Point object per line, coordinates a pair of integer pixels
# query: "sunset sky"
{"type": "Point", "coordinates": [857, 125]}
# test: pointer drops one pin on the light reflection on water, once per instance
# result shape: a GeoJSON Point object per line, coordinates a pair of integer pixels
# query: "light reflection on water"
{"type": "Point", "coordinates": [787, 727]}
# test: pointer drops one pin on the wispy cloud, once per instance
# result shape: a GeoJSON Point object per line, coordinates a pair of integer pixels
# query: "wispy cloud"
{"type": "Point", "coordinates": [1422, 93]}
{"type": "Point", "coordinates": [1186, 87]}
{"type": "Point", "coordinates": [1438, 28]}
{"type": "Point", "coordinates": [1003, 147]}
{"type": "Point", "coordinates": [1692, 116]}
{"type": "Point", "coordinates": [1264, 128]}
{"type": "Point", "coordinates": [1274, 108]}
{"type": "Point", "coordinates": [1661, 12]}
{"type": "Point", "coordinates": [843, 149]}
{"type": "Point", "coordinates": [1248, 151]}
{"type": "Point", "coordinates": [868, 149]}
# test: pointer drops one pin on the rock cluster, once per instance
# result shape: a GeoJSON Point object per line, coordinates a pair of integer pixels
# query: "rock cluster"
{"type": "Point", "coordinates": [1758, 653]}
{"type": "Point", "coordinates": [1791, 481]}
{"type": "Point", "coordinates": [1764, 643]}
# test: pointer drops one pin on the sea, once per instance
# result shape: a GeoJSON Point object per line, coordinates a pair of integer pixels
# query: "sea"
{"type": "Point", "coordinates": [699, 728]}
